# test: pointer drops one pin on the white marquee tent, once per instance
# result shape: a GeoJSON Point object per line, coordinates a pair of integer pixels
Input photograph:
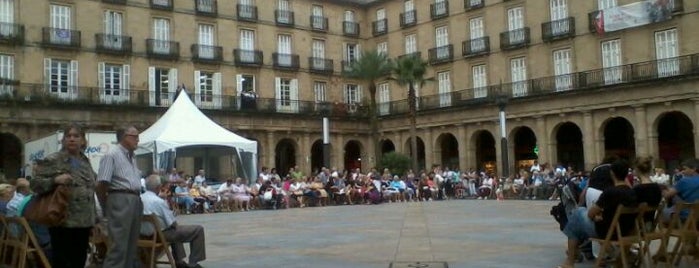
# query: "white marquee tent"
{"type": "Point", "coordinates": [185, 125]}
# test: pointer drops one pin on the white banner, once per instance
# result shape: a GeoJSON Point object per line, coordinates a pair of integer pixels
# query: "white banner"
{"type": "Point", "coordinates": [633, 15]}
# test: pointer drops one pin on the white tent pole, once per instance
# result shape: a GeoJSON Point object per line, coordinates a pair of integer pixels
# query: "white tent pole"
{"type": "Point", "coordinates": [155, 156]}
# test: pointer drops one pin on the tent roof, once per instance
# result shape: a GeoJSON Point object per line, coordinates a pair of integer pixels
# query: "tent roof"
{"type": "Point", "coordinates": [185, 125]}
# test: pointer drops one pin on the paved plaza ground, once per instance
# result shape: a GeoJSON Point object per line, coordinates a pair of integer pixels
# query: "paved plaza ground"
{"type": "Point", "coordinates": [460, 233]}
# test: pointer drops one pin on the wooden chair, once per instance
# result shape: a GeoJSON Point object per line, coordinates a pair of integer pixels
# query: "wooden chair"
{"type": "Point", "coordinates": [686, 232]}
{"type": "Point", "coordinates": [615, 231]}
{"type": "Point", "coordinates": [651, 231]}
{"type": "Point", "coordinates": [154, 246]}
{"type": "Point", "coordinates": [22, 244]}
{"type": "Point", "coordinates": [3, 237]}
{"type": "Point", "coordinates": [99, 243]}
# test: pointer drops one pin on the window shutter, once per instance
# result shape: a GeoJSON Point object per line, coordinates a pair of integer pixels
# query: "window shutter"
{"type": "Point", "coordinates": [345, 56]}
{"type": "Point", "coordinates": [360, 93]}
{"type": "Point", "coordinates": [344, 94]}
{"type": "Point", "coordinates": [358, 51]}
{"type": "Point", "coordinates": [278, 93]}
{"type": "Point", "coordinates": [151, 86]}
{"type": "Point", "coordinates": [172, 82]}
{"type": "Point", "coordinates": [73, 79]}
{"type": "Point", "coordinates": [126, 81]}
{"type": "Point", "coordinates": [294, 94]}
{"type": "Point", "coordinates": [100, 81]}
{"type": "Point", "coordinates": [239, 84]}
{"type": "Point", "coordinates": [197, 89]}
{"type": "Point", "coordinates": [217, 90]}
{"type": "Point", "coordinates": [47, 74]}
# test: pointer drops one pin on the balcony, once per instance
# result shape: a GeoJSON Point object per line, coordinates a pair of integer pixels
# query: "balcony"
{"type": "Point", "coordinates": [473, 4]}
{"type": "Point", "coordinates": [11, 33]}
{"type": "Point", "coordinates": [116, 2]}
{"type": "Point", "coordinates": [514, 39]}
{"type": "Point", "coordinates": [246, 12]}
{"type": "Point", "coordinates": [379, 27]}
{"type": "Point", "coordinates": [113, 44]}
{"type": "Point", "coordinates": [208, 8]}
{"type": "Point", "coordinates": [677, 6]}
{"type": "Point", "coordinates": [439, 10]}
{"type": "Point", "coordinates": [320, 65]}
{"type": "Point", "coordinates": [417, 54]}
{"type": "Point", "coordinates": [285, 62]}
{"type": "Point", "coordinates": [347, 65]}
{"type": "Point", "coordinates": [60, 38]}
{"type": "Point", "coordinates": [476, 47]}
{"type": "Point", "coordinates": [206, 54]}
{"type": "Point", "coordinates": [558, 29]}
{"type": "Point", "coordinates": [439, 55]}
{"type": "Point", "coordinates": [161, 4]}
{"type": "Point", "coordinates": [162, 49]}
{"type": "Point", "coordinates": [408, 19]}
{"type": "Point", "coordinates": [319, 24]}
{"type": "Point", "coordinates": [350, 28]}
{"type": "Point", "coordinates": [284, 18]}
{"type": "Point", "coordinates": [247, 58]}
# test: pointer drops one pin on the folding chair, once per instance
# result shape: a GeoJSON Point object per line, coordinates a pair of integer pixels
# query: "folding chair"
{"type": "Point", "coordinates": [21, 243]}
{"type": "Point", "coordinates": [651, 230]}
{"type": "Point", "coordinates": [154, 246]}
{"type": "Point", "coordinates": [3, 234]}
{"type": "Point", "coordinates": [686, 232]}
{"type": "Point", "coordinates": [615, 231]}
{"type": "Point", "coordinates": [99, 242]}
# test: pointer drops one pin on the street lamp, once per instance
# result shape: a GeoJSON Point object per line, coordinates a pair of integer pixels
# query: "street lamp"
{"type": "Point", "coordinates": [326, 134]}
{"type": "Point", "coordinates": [501, 100]}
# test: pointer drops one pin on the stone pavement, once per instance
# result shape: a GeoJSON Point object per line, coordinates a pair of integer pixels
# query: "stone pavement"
{"type": "Point", "coordinates": [458, 233]}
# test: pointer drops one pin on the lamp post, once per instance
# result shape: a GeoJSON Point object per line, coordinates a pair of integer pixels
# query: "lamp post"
{"type": "Point", "coordinates": [326, 135]}
{"type": "Point", "coordinates": [501, 101]}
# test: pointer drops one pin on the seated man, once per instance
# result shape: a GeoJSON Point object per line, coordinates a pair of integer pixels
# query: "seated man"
{"type": "Point", "coordinates": [584, 223]}
{"type": "Point", "coordinates": [183, 196]}
{"type": "Point", "coordinates": [686, 190]}
{"type": "Point", "coordinates": [174, 233]}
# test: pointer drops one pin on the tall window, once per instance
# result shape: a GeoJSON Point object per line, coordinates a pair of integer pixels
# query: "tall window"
{"type": "Point", "coordinates": [162, 86]}
{"type": "Point", "coordinates": [284, 50]}
{"type": "Point", "coordinates": [351, 52]}
{"type": "Point", "coordinates": [352, 96]}
{"type": "Point", "coordinates": [562, 69]}
{"type": "Point", "coordinates": [666, 53]}
{"type": "Point", "coordinates": [408, 7]}
{"type": "Point", "coordinates": [559, 11]}
{"type": "Point", "coordinates": [444, 81]}
{"type": "Point", "coordinates": [380, 23]}
{"type": "Point", "coordinates": [245, 87]}
{"type": "Point", "coordinates": [384, 99]}
{"type": "Point", "coordinates": [476, 33]}
{"type": "Point", "coordinates": [350, 27]}
{"type": "Point", "coordinates": [515, 22]}
{"type": "Point", "coordinates": [207, 89]}
{"type": "Point", "coordinates": [112, 29]}
{"type": "Point", "coordinates": [7, 73]}
{"type": "Point", "coordinates": [284, 16]}
{"type": "Point", "coordinates": [205, 5]}
{"type": "Point", "coordinates": [247, 45]}
{"type": "Point", "coordinates": [61, 24]}
{"type": "Point", "coordinates": [604, 4]}
{"type": "Point", "coordinates": [287, 95]}
{"type": "Point", "coordinates": [611, 61]}
{"type": "Point", "coordinates": [161, 35]}
{"type": "Point", "coordinates": [518, 69]}
{"type": "Point", "coordinates": [61, 77]}
{"type": "Point", "coordinates": [206, 41]}
{"type": "Point", "coordinates": [7, 12]}
{"type": "Point", "coordinates": [382, 48]}
{"type": "Point", "coordinates": [319, 88]}
{"type": "Point", "coordinates": [113, 82]}
{"type": "Point", "coordinates": [480, 81]}
{"type": "Point", "coordinates": [247, 8]}
{"type": "Point", "coordinates": [410, 44]}
{"type": "Point", "coordinates": [318, 19]}
{"type": "Point", "coordinates": [440, 7]}
{"type": "Point", "coordinates": [318, 51]}
{"type": "Point", "coordinates": [441, 41]}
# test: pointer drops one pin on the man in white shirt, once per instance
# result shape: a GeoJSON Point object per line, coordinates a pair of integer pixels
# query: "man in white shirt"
{"type": "Point", "coordinates": [199, 178]}
{"type": "Point", "coordinates": [264, 175]}
{"type": "Point", "coordinates": [174, 233]}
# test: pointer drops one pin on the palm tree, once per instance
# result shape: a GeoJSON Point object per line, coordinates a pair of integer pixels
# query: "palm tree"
{"type": "Point", "coordinates": [370, 67]}
{"type": "Point", "coordinates": [410, 70]}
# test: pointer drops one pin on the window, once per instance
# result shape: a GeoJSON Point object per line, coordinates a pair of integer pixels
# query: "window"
{"type": "Point", "coordinates": [352, 95]}
{"type": "Point", "coordinates": [7, 73]}
{"type": "Point", "coordinates": [7, 13]}
{"type": "Point", "coordinates": [205, 6]}
{"type": "Point", "coordinates": [410, 44]}
{"type": "Point", "coordinates": [318, 21]}
{"type": "Point", "coordinates": [319, 88]}
{"type": "Point", "coordinates": [61, 77]}
{"type": "Point", "coordinates": [245, 86]}
{"type": "Point", "coordinates": [441, 42]}
{"type": "Point", "coordinates": [162, 86]}
{"type": "Point", "coordinates": [562, 69]}
{"type": "Point", "coordinates": [384, 99]}
{"type": "Point", "coordinates": [207, 89]}
{"type": "Point", "coordinates": [382, 48]}
{"type": "Point", "coordinates": [284, 50]}
{"type": "Point", "coordinates": [247, 9]}
{"type": "Point", "coordinates": [476, 34]}
{"type": "Point", "coordinates": [444, 89]}
{"type": "Point", "coordinates": [286, 95]}
{"type": "Point", "coordinates": [611, 61]}
{"type": "Point", "coordinates": [559, 12]}
{"type": "Point", "coordinates": [409, 17]}
{"type": "Point", "coordinates": [112, 29]}
{"type": "Point", "coordinates": [440, 7]}
{"type": "Point", "coordinates": [604, 4]}
{"type": "Point", "coordinates": [113, 82]}
{"type": "Point", "coordinates": [351, 52]}
{"type": "Point", "coordinates": [380, 23]}
{"type": "Point", "coordinates": [349, 15]}
{"type": "Point", "coordinates": [247, 45]}
{"type": "Point", "coordinates": [161, 36]}
{"type": "Point", "coordinates": [61, 24]}
{"type": "Point", "coordinates": [519, 77]}
{"type": "Point", "coordinates": [206, 41]}
{"type": "Point", "coordinates": [285, 15]}
{"type": "Point", "coordinates": [515, 22]}
{"type": "Point", "coordinates": [480, 81]}
{"type": "Point", "coordinates": [666, 53]}
{"type": "Point", "coordinates": [318, 51]}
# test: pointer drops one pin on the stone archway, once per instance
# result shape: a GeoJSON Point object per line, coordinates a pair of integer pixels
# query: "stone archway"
{"type": "Point", "coordinates": [285, 156]}
{"type": "Point", "coordinates": [486, 153]}
{"type": "Point", "coordinates": [317, 155]}
{"type": "Point", "coordinates": [448, 150]}
{"type": "Point", "coordinates": [619, 140]}
{"type": "Point", "coordinates": [10, 156]}
{"type": "Point", "coordinates": [525, 148]}
{"type": "Point", "coordinates": [569, 145]}
{"type": "Point", "coordinates": [353, 155]}
{"type": "Point", "coordinates": [420, 152]}
{"type": "Point", "coordinates": [675, 139]}
{"type": "Point", "coordinates": [387, 146]}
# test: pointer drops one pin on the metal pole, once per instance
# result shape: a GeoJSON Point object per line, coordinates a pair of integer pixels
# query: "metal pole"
{"type": "Point", "coordinates": [326, 142]}
{"type": "Point", "coordinates": [503, 142]}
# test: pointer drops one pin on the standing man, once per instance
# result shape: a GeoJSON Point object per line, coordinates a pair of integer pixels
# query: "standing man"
{"type": "Point", "coordinates": [118, 192]}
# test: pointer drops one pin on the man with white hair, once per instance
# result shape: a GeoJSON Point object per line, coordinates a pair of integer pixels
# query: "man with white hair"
{"type": "Point", "coordinates": [173, 232]}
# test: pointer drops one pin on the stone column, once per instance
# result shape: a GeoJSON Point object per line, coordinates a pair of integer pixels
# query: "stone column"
{"type": "Point", "coordinates": [398, 142]}
{"type": "Point", "coordinates": [588, 139]}
{"type": "Point", "coordinates": [464, 147]}
{"type": "Point", "coordinates": [641, 131]}
{"type": "Point", "coordinates": [542, 140]}
{"type": "Point", "coordinates": [696, 127]}
{"type": "Point", "coordinates": [271, 145]}
{"type": "Point", "coordinates": [304, 154]}
{"type": "Point", "coordinates": [429, 151]}
{"type": "Point", "coordinates": [338, 149]}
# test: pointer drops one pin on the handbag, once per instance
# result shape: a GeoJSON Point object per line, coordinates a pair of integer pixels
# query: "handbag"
{"type": "Point", "coordinates": [50, 209]}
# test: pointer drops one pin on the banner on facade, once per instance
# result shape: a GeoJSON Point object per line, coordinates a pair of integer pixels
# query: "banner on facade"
{"type": "Point", "coordinates": [633, 15]}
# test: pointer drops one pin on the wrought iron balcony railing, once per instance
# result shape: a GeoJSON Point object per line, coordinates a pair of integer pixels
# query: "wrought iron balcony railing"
{"type": "Point", "coordinates": [476, 47]}
{"type": "Point", "coordinates": [250, 58]}
{"type": "Point", "coordinates": [320, 65]}
{"type": "Point", "coordinates": [319, 23]}
{"type": "Point", "coordinates": [558, 29]}
{"type": "Point", "coordinates": [162, 49]}
{"type": "Point", "coordinates": [207, 54]}
{"type": "Point", "coordinates": [113, 44]}
{"type": "Point", "coordinates": [60, 38]}
{"type": "Point", "coordinates": [439, 55]}
{"type": "Point", "coordinates": [439, 10]}
{"type": "Point", "coordinates": [284, 18]}
{"type": "Point", "coordinates": [283, 61]}
{"type": "Point", "coordinates": [515, 39]}
{"type": "Point", "coordinates": [408, 18]}
{"type": "Point", "coordinates": [414, 54]}
{"type": "Point", "coordinates": [11, 33]}
{"type": "Point", "coordinates": [247, 12]}
{"type": "Point", "coordinates": [162, 4]}
{"type": "Point", "coordinates": [207, 8]}
{"type": "Point", "coordinates": [473, 4]}
{"type": "Point", "coordinates": [350, 28]}
{"type": "Point", "coordinates": [347, 65]}
{"type": "Point", "coordinates": [379, 27]}
{"type": "Point", "coordinates": [116, 2]}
